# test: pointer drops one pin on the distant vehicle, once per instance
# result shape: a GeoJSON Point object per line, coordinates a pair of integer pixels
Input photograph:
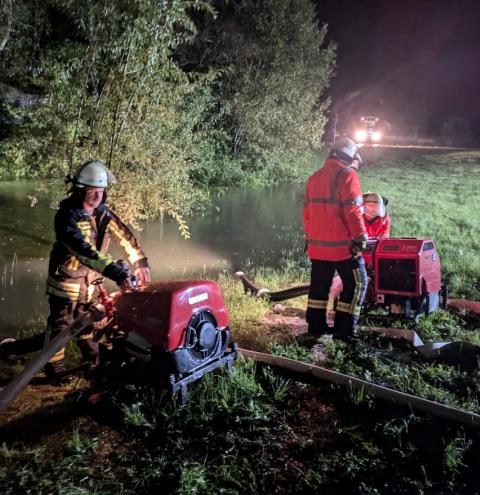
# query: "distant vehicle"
{"type": "Point", "coordinates": [369, 129]}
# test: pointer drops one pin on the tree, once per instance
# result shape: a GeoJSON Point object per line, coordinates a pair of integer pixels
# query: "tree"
{"type": "Point", "coordinates": [177, 96]}
{"type": "Point", "coordinates": [274, 73]}
{"type": "Point", "coordinates": [5, 23]}
{"type": "Point", "coordinates": [115, 93]}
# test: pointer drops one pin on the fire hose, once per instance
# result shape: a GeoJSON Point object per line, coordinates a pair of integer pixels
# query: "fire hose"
{"type": "Point", "coordinates": [455, 353]}
{"type": "Point", "coordinates": [318, 374]}
{"type": "Point", "coordinates": [472, 307]}
{"type": "Point", "coordinates": [94, 314]}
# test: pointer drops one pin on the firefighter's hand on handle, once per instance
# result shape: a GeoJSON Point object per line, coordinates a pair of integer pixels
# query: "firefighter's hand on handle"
{"type": "Point", "coordinates": [143, 275]}
{"type": "Point", "coordinates": [358, 247]}
{"type": "Point", "coordinates": [129, 284]}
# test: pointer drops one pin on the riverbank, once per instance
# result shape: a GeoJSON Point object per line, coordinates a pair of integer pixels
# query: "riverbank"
{"type": "Point", "coordinates": [252, 432]}
{"type": "Point", "coordinates": [255, 432]}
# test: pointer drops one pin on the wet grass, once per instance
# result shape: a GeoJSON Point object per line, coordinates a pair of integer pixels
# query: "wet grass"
{"type": "Point", "coordinates": [380, 360]}
{"type": "Point", "coordinates": [433, 194]}
{"type": "Point", "coordinates": [250, 432]}
{"type": "Point", "coordinates": [254, 432]}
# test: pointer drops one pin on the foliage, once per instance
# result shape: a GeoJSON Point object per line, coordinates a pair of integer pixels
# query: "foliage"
{"type": "Point", "coordinates": [249, 432]}
{"type": "Point", "coordinates": [117, 87]}
{"type": "Point", "coordinates": [115, 93]}
{"type": "Point", "coordinates": [133, 415]}
{"type": "Point", "coordinates": [292, 351]}
{"type": "Point", "coordinates": [376, 360]}
{"type": "Point", "coordinates": [274, 72]}
{"type": "Point", "coordinates": [454, 453]}
{"type": "Point", "coordinates": [254, 432]}
{"type": "Point", "coordinates": [383, 364]}
{"type": "Point", "coordinates": [23, 26]}
{"type": "Point", "coordinates": [445, 326]}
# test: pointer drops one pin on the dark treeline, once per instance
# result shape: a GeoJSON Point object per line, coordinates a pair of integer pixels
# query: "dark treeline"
{"type": "Point", "coordinates": [179, 97]}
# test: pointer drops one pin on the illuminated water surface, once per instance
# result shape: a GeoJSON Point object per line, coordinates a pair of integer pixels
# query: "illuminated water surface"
{"type": "Point", "coordinates": [241, 230]}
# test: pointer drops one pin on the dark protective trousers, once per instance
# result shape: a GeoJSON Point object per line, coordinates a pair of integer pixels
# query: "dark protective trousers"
{"type": "Point", "coordinates": [354, 279]}
{"type": "Point", "coordinates": [62, 313]}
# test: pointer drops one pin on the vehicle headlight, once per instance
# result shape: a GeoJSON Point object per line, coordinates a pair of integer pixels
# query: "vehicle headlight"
{"type": "Point", "coordinates": [361, 135]}
{"type": "Point", "coordinates": [376, 136]}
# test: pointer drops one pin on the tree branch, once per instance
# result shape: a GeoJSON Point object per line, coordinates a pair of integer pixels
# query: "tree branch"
{"type": "Point", "coordinates": [5, 30]}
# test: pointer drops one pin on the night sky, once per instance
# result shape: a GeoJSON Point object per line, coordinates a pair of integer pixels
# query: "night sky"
{"type": "Point", "coordinates": [410, 62]}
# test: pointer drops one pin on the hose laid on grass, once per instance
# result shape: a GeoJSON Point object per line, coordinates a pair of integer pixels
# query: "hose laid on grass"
{"type": "Point", "coordinates": [95, 313]}
{"type": "Point", "coordinates": [471, 307]}
{"type": "Point", "coordinates": [280, 295]}
{"type": "Point", "coordinates": [317, 373]}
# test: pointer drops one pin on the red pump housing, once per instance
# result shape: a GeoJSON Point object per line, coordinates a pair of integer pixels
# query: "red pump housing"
{"type": "Point", "coordinates": [160, 312]}
{"type": "Point", "coordinates": [169, 334]}
{"type": "Point", "coordinates": [405, 275]}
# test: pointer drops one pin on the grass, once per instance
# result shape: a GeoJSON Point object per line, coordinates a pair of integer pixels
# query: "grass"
{"type": "Point", "coordinates": [246, 311]}
{"type": "Point", "coordinates": [255, 432]}
{"type": "Point", "coordinates": [433, 194]}
{"type": "Point", "coordinates": [251, 432]}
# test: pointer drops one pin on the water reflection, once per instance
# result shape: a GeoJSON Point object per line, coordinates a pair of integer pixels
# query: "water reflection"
{"type": "Point", "coordinates": [240, 230]}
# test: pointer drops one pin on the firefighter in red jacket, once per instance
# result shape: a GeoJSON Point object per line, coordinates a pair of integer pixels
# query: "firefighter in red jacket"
{"type": "Point", "coordinates": [84, 226]}
{"type": "Point", "coordinates": [377, 220]}
{"type": "Point", "coordinates": [336, 236]}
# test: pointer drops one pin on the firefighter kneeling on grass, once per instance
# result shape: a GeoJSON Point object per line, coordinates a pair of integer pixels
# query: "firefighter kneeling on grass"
{"type": "Point", "coordinates": [336, 236]}
{"type": "Point", "coordinates": [84, 226]}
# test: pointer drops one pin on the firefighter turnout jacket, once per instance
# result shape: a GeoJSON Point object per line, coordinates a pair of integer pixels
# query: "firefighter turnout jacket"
{"type": "Point", "coordinates": [80, 250]}
{"type": "Point", "coordinates": [378, 227]}
{"type": "Point", "coordinates": [332, 213]}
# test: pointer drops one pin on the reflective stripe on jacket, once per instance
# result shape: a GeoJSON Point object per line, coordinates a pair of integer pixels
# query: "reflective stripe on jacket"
{"type": "Point", "coordinates": [379, 227]}
{"type": "Point", "coordinates": [332, 213]}
{"type": "Point", "coordinates": [80, 247]}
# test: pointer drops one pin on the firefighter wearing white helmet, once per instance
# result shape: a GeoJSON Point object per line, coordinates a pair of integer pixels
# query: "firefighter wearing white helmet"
{"type": "Point", "coordinates": [377, 223]}
{"type": "Point", "coordinates": [346, 149]}
{"type": "Point", "coordinates": [84, 226]}
{"type": "Point", "coordinates": [377, 220]}
{"type": "Point", "coordinates": [336, 235]}
{"type": "Point", "coordinates": [93, 173]}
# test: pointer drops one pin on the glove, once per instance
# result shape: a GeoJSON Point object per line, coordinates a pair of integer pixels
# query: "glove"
{"type": "Point", "coordinates": [117, 271]}
{"type": "Point", "coordinates": [143, 275]}
{"type": "Point", "coordinates": [358, 247]}
{"type": "Point", "coordinates": [129, 285]}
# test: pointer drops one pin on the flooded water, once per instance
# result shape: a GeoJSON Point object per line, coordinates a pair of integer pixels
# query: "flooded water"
{"type": "Point", "coordinates": [241, 230]}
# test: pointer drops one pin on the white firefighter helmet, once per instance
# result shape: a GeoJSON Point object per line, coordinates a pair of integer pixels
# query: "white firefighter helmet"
{"type": "Point", "coordinates": [373, 205]}
{"type": "Point", "coordinates": [346, 146]}
{"type": "Point", "coordinates": [94, 173]}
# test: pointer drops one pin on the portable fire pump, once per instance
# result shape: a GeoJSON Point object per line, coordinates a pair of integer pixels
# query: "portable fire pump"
{"type": "Point", "coordinates": [167, 334]}
{"type": "Point", "coordinates": [404, 279]}
{"type": "Point", "coordinates": [404, 276]}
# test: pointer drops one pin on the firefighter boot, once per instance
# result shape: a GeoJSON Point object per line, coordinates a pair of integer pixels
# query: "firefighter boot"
{"type": "Point", "coordinates": [88, 349]}
{"type": "Point", "coordinates": [345, 326]}
{"type": "Point", "coordinates": [55, 372]}
{"type": "Point", "coordinates": [317, 322]}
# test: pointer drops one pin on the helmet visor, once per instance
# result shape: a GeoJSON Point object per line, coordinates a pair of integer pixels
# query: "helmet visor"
{"type": "Point", "coordinates": [373, 205]}
{"type": "Point", "coordinates": [358, 157]}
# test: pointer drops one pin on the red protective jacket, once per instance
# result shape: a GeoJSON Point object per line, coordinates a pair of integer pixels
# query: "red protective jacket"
{"type": "Point", "coordinates": [378, 227]}
{"type": "Point", "coordinates": [332, 213]}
